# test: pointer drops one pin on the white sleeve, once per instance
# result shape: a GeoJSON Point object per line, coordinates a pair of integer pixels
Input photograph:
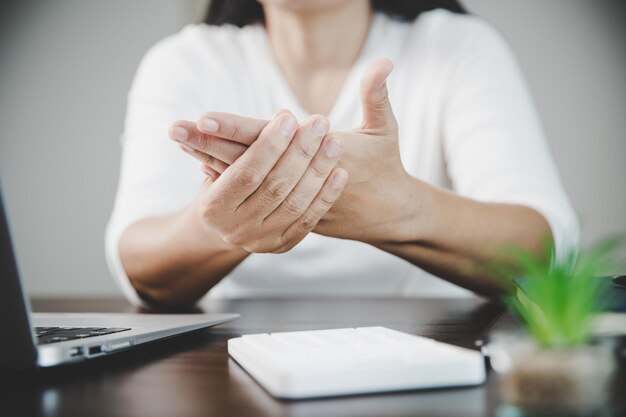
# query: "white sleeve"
{"type": "Point", "coordinates": [156, 177]}
{"type": "Point", "coordinates": [494, 145]}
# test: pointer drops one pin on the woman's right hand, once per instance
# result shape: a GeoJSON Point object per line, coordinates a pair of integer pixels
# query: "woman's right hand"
{"type": "Point", "coordinates": [274, 186]}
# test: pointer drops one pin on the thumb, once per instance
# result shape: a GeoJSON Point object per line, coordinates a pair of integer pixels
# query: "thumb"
{"type": "Point", "coordinates": [377, 111]}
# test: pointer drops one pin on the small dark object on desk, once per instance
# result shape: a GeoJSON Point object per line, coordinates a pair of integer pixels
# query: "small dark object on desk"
{"type": "Point", "coordinates": [620, 281]}
{"type": "Point", "coordinates": [615, 294]}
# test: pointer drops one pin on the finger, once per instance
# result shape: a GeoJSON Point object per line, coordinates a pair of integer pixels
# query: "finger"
{"type": "Point", "coordinates": [217, 165]}
{"type": "Point", "coordinates": [296, 203]}
{"type": "Point", "coordinates": [240, 129]}
{"type": "Point", "coordinates": [210, 172]}
{"type": "Point", "coordinates": [186, 133]}
{"type": "Point", "coordinates": [377, 112]}
{"type": "Point", "coordinates": [324, 200]}
{"type": "Point", "coordinates": [245, 175]}
{"type": "Point", "coordinates": [207, 160]}
{"type": "Point", "coordinates": [290, 167]}
{"type": "Point", "coordinates": [279, 112]}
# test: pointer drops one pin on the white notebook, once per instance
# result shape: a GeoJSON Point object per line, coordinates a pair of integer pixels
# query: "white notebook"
{"type": "Point", "coordinates": [323, 363]}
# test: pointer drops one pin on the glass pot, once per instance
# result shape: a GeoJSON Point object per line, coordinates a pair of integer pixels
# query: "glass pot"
{"type": "Point", "coordinates": [561, 381]}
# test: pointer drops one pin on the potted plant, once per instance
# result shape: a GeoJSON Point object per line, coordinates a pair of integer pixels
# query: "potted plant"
{"type": "Point", "coordinates": [556, 367]}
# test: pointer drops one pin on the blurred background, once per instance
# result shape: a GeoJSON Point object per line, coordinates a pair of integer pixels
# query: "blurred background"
{"type": "Point", "coordinates": [66, 66]}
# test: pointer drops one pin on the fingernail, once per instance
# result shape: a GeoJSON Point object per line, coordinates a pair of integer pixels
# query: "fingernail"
{"type": "Point", "coordinates": [288, 125]}
{"type": "Point", "coordinates": [179, 133]}
{"type": "Point", "coordinates": [332, 148]}
{"type": "Point", "coordinates": [339, 180]}
{"type": "Point", "coordinates": [319, 127]}
{"type": "Point", "coordinates": [208, 125]}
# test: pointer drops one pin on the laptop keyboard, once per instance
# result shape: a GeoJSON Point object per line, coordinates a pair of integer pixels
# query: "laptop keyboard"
{"type": "Point", "coordinates": [46, 335]}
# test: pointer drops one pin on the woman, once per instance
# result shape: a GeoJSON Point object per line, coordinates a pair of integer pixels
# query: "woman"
{"type": "Point", "coordinates": [364, 179]}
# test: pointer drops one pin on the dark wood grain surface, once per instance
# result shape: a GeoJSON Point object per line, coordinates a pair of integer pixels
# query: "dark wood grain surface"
{"type": "Point", "coordinates": [192, 375]}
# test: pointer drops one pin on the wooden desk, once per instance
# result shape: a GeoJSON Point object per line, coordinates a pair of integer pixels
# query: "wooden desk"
{"type": "Point", "coordinates": [192, 375]}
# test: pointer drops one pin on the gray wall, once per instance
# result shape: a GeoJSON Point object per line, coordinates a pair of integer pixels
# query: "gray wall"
{"type": "Point", "coordinates": [65, 69]}
{"type": "Point", "coordinates": [66, 65]}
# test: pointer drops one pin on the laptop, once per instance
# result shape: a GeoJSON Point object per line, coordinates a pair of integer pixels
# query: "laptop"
{"type": "Point", "coordinates": [33, 340]}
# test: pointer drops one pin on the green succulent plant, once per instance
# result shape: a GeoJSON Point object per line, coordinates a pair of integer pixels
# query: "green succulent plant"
{"type": "Point", "coordinates": [557, 299]}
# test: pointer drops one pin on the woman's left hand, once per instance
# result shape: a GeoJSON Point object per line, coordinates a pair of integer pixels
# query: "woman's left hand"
{"type": "Point", "coordinates": [380, 194]}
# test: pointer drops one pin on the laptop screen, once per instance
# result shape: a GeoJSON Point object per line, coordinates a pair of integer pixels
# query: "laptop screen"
{"type": "Point", "coordinates": [17, 349]}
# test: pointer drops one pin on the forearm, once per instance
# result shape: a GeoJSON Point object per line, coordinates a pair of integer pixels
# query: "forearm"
{"type": "Point", "coordinates": [457, 238]}
{"type": "Point", "coordinates": [174, 260]}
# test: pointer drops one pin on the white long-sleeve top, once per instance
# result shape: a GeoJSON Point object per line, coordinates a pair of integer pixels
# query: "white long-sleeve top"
{"type": "Point", "coordinates": [466, 123]}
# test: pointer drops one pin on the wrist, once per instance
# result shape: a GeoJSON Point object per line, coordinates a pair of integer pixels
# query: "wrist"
{"type": "Point", "coordinates": [203, 236]}
{"type": "Point", "coordinates": [412, 215]}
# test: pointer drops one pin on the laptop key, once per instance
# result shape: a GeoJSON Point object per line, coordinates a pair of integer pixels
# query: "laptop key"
{"type": "Point", "coordinates": [51, 339]}
{"type": "Point", "coordinates": [44, 329]}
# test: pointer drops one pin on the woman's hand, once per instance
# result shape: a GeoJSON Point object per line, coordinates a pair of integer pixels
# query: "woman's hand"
{"type": "Point", "coordinates": [380, 195]}
{"type": "Point", "coordinates": [218, 139]}
{"type": "Point", "coordinates": [266, 192]}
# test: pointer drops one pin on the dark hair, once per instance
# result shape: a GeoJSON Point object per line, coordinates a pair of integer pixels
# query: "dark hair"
{"type": "Point", "coordinates": [245, 12]}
